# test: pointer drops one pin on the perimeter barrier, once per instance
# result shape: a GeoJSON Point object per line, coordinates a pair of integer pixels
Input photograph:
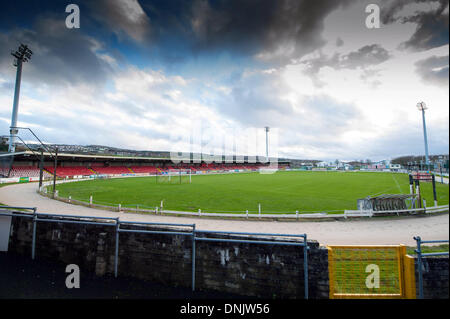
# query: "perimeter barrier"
{"type": "Point", "coordinates": [421, 255]}
{"type": "Point", "coordinates": [196, 235]}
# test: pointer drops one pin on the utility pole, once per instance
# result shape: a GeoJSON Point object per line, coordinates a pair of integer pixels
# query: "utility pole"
{"type": "Point", "coordinates": [23, 54]}
{"type": "Point", "coordinates": [267, 143]}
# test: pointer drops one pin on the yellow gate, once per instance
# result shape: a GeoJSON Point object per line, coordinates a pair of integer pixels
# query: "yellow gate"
{"type": "Point", "coordinates": [366, 272]}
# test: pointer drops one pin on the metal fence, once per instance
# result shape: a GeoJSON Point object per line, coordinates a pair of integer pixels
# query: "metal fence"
{"type": "Point", "coordinates": [420, 255]}
{"type": "Point", "coordinates": [30, 212]}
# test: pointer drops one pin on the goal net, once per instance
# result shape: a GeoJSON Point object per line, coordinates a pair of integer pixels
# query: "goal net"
{"type": "Point", "coordinates": [174, 176]}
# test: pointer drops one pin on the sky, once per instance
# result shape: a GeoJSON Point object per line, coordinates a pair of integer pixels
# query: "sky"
{"type": "Point", "coordinates": [165, 75]}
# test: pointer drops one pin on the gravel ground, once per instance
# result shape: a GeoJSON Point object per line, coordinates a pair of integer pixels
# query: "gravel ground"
{"type": "Point", "coordinates": [374, 231]}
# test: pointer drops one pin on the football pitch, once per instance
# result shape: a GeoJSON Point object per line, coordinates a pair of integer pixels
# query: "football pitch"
{"type": "Point", "coordinates": [277, 193]}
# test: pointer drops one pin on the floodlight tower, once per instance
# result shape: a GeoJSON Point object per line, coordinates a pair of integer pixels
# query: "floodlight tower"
{"type": "Point", "coordinates": [267, 142]}
{"type": "Point", "coordinates": [23, 54]}
{"type": "Point", "coordinates": [422, 107]}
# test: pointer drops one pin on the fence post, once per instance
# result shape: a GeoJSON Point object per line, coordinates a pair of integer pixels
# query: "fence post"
{"type": "Point", "coordinates": [409, 278]}
{"type": "Point", "coordinates": [259, 210]}
{"type": "Point", "coordinates": [433, 180]}
{"type": "Point", "coordinates": [33, 243]}
{"type": "Point", "coordinates": [120, 207]}
{"type": "Point", "coordinates": [193, 257]}
{"type": "Point", "coordinates": [246, 213]}
{"type": "Point", "coordinates": [70, 199]}
{"type": "Point", "coordinates": [296, 214]}
{"type": "Point", "coordinates": [305, 265]}
{"type": "Point", "coordinates": [116, 254]}
{"type": "Point", "coordinates": [90, 200]}
{"type": "Point", "coordinates": [419, 264]}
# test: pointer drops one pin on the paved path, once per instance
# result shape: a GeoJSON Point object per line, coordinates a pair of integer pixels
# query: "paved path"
{"type": "Point", "coordinates": [345, 232]}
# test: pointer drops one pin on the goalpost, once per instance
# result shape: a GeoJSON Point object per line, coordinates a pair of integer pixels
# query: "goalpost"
{"type": "Point", "coordinates": [175, 176]}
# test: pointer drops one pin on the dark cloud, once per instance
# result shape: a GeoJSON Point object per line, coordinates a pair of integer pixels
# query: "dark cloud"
{"type": "Point", "coordinates": [432, 26]}
{"type": "Point", "coordinates": [364, 57]}
{"type": "Point", "coordinates": [122, 17]}
{"type": "Point", "coordinates": [60, 55]}
{"type": "Point", "coordinates": [250, 26]}
{"type": "Point", "coordinates": [278, 29]}
{"type": "Point", "coordinates": [434, 70]}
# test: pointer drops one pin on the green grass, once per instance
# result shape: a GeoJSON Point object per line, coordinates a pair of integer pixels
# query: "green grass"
{"type": "Point", "coordinates": [280, 192]}
{"type": "Point", "coordinates": [428, 249]}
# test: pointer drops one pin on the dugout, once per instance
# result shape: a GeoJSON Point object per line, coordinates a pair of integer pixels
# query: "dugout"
{"type": "Point", "coordinates": [387, 202]}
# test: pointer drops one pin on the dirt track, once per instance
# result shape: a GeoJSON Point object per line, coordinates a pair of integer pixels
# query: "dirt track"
{"type": "Point", "coordinates": [350, 232]}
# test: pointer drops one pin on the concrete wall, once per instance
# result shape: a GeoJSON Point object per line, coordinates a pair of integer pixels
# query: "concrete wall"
{"type": "Point", "coordinates": [248, 269]}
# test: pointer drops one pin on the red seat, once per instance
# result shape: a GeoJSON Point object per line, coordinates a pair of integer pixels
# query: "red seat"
{"type": "Point", "coordinates": [70, 171]}
{"type": "Point", "coordinates": [144, 169]}
{"type": "Point", "coordinates": [112, 170]}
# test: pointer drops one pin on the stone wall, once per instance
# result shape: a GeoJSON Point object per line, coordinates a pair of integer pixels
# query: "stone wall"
{"type": "Point", "coordinates": [260, 270]}
{"type": "Point", "coordinates": [435, 277]}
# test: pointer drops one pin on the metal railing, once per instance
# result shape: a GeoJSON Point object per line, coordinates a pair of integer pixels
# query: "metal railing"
{"type": "Point", "coordinates": [192, 232]}
{"type": "Point", "coordinates": [304, 244]}
{"type": "Point", "coordinates": [420, 255]}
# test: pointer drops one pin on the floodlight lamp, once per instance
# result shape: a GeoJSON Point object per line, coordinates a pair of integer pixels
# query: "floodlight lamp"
{"type": "Point", "coordinates": [421, 106]}
{"type": "Point", "coordinates": [23, 53]}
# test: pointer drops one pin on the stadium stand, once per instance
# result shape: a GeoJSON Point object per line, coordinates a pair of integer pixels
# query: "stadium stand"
{"type": "Point", "coordinates": [74, 165]}
{"type": "Point", "coordinates": [24, 171]}
{"type": "Point", "coordinates": [112, 170]}
{"type": "Point", "coordinates": [70, 171]}
{"type": "Point", "coordinates": [144, 169]}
